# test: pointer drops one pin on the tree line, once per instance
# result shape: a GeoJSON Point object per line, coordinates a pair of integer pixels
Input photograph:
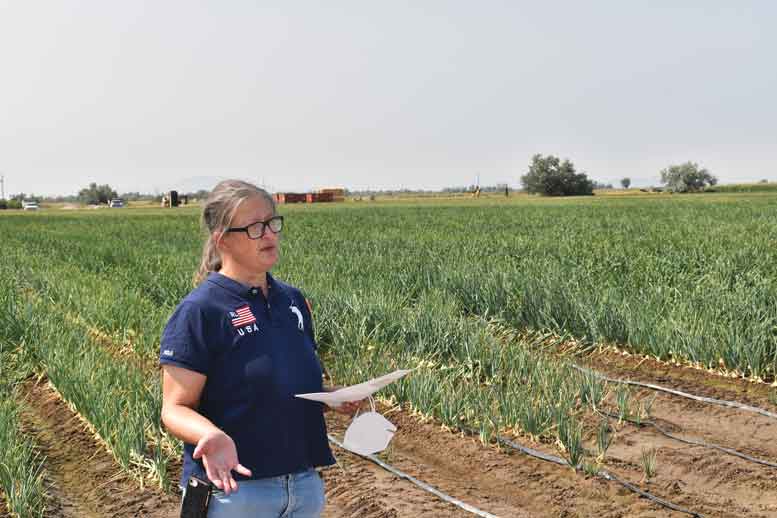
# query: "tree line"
{"type": "Point", "coordinates": [546, 176]}
{"type": "Point", "coordinates": [93, 194]}
{"type": "Point", "coordinates": [551, 176]}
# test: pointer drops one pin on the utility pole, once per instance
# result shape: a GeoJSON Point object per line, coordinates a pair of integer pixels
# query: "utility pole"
{"type": "Point", "coordinates": [2, 186]}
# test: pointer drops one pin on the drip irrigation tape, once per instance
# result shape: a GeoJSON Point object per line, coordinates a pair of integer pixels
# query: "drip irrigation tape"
{"type": "Point", "coordinates": [693, 442]}
{"type": "Point", "coordinates": [423, 485]}
{"type": "Point", "coordinates": [644, 494]}
{"type": "Point", "coordinates": [601, 473]}
{"type": "Point", "coordinates": [720, 402]}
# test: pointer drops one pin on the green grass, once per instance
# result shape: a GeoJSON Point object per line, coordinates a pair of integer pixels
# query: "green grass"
{"type": "Point", "coordinates": [121, 402]}
{"type": "Point", "coordinates": [21, 480]}
{"type": "Point", "coordinates": [462, 290]}
{"type": "Point", "coordinates": [21, 467]}
{"type": "Point", "coordinates": [768, 187]}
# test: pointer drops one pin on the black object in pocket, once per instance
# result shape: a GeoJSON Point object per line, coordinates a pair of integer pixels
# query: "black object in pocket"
{"type": "Point", "coordinates": [195, 500]}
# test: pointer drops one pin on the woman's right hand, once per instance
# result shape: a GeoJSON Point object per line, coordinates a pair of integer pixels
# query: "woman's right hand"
{"type": "Point", "coordinates": [219, 457]}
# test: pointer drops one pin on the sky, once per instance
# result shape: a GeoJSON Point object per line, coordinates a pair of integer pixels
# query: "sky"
{"type": "Point", "coordinates": [295, 95]}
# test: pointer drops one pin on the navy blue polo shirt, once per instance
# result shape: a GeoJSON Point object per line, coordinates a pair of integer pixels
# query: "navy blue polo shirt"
{"type": "Point", "coordinates": [257, 353]}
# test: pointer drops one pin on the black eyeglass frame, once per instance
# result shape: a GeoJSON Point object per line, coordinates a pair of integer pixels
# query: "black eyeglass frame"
{"type": "Point", "coordinates": [265, 226]}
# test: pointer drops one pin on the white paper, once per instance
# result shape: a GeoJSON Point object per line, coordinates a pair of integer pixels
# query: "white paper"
{"type": "Point", "coordinates": [355, 392]}
{"type": "Point", "coordinates": [369, 433]}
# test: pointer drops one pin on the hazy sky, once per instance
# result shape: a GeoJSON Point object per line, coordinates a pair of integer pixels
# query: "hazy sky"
{"type": "Point", "coordinates": [152, 95]}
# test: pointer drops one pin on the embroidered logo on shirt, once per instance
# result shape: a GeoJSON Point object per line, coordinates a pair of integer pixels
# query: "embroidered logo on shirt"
{"type": "Point", "coordinates": [300, 323]}
{"type": "Point", "coordinates": [243, 320]}
{"type": "Point", "coordinates": [242, 317]}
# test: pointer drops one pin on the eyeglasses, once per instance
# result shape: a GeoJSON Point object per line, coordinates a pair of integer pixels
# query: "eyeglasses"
{"type": "Point", "coordinates": [256, 230]}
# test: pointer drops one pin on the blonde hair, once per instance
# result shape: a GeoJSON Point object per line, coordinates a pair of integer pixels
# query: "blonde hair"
{"type": "Point", "coordinates": [217, 214]}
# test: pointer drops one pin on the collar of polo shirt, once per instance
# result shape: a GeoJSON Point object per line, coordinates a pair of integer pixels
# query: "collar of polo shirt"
{"type": "Point", "coordinates": [239, 288]}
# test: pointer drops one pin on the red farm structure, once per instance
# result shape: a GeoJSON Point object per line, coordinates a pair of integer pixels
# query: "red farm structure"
{"type": "Point", "coordinates": [337, 194]}
{"type": "Point", "coordinates": [321, 196]}
{"type": "Point", "coordinates": [290, 197]}
{"type": "Point", "coordinates": [318, 197]}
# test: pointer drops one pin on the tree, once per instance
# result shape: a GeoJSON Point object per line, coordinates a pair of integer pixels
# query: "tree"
{"type": "Point", "coordinates": [626, 182]}
{"type": "Point", "coordinates": [687, 177]}
{"type": "Point", "coordinates": [96, 194]}
{"type": "Point", "coordinates": [549, 176]}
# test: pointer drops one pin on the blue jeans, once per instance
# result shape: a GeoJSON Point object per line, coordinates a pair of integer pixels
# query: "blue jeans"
{"type": "Point", "coordinates": [296, 495]}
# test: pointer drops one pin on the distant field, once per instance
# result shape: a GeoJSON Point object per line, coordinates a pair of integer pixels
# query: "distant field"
{"type": "Point", "coordinates": [770, 187]}
{"type": "Point", "coordinates": [689, 277]}
{"type": "Point", "coordinates": [458, 288]}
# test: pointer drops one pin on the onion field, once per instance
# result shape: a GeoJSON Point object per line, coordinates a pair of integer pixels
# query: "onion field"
{"type": "Point", "coordinates": [491, 301]}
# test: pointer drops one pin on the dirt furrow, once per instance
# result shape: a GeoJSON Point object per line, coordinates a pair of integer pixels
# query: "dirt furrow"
{"type": "Point", "coordinates": [357, 488]}
{"type": "Point", "coordinates": [82, 478]}
{"type": "Point", "coordinates": [696, 381]}
{"type": "Point", "coordinates": [84, 481]}
{"type": "Point", "coordinates": [503, 483]}
{"type": "Point", "coordinates": [705, 480]}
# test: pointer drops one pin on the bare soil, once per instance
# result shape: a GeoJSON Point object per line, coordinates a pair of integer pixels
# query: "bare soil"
{"type": "Point", "coordinates": [504, 483]}
{"type": "Point", "coordinates": [82, 478]}
{"type": "Point", "coordinates": [704, 480]}
{"type": "Point", "coordinates": [85, 481]}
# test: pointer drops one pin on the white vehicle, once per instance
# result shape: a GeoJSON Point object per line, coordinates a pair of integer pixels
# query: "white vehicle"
{"type": "Point", "coordinates": [30, 205]}
{"type": "Point", "coordinates": [116, 203]}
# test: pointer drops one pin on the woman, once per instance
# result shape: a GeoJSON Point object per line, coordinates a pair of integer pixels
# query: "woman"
{"type": "Point", "coordinates": [233, 354]}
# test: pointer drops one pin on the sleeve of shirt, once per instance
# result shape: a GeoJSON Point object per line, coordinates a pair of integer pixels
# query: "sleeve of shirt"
{"type": "Point", "coordinates": [184, 342]}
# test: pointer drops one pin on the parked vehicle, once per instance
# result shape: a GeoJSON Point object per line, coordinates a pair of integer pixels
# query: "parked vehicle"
{"type": "Point", "coordinates": [116, 203]}
{"type": "Point", "coordinates": [30, 205]}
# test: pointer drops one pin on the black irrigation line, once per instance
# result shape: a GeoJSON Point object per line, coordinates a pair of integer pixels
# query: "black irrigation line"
{"type": "Point", "coordinates": [713, 401]}
{"type": "Point", "coordinates": [423, 485]}
{"type": "Point", "coordinates": [601, 473]}
{"type": "Point", "coordinates": [691, 442]}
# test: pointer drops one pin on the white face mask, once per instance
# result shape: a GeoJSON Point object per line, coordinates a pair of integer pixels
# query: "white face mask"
{"type": "Point", "coordinates": [369, 433]}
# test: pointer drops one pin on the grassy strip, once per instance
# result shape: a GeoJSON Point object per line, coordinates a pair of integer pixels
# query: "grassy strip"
{"type": "Point", "coordinates": [122, 404]}
{"type": "Point", "coordinates": [119, 402]}
{"type": "Point", "coordinates": [677, 279]}
{"type": "Point", "coordinates": [479, 372]}
{"type": "Point", "coordinates": [685, 277]}
{"type": "Point", "coordinates": [21, 468]}
{"type": "Point", "coordinates": [21, 471]}
{"type": "Point", "coordinates": [467, 371]}
{"type": "Point", "coordinates": [769, 187]}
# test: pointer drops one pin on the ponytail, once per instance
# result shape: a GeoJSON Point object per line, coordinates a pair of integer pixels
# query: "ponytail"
{"type": "Point", "coordinates": [210, 262]}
